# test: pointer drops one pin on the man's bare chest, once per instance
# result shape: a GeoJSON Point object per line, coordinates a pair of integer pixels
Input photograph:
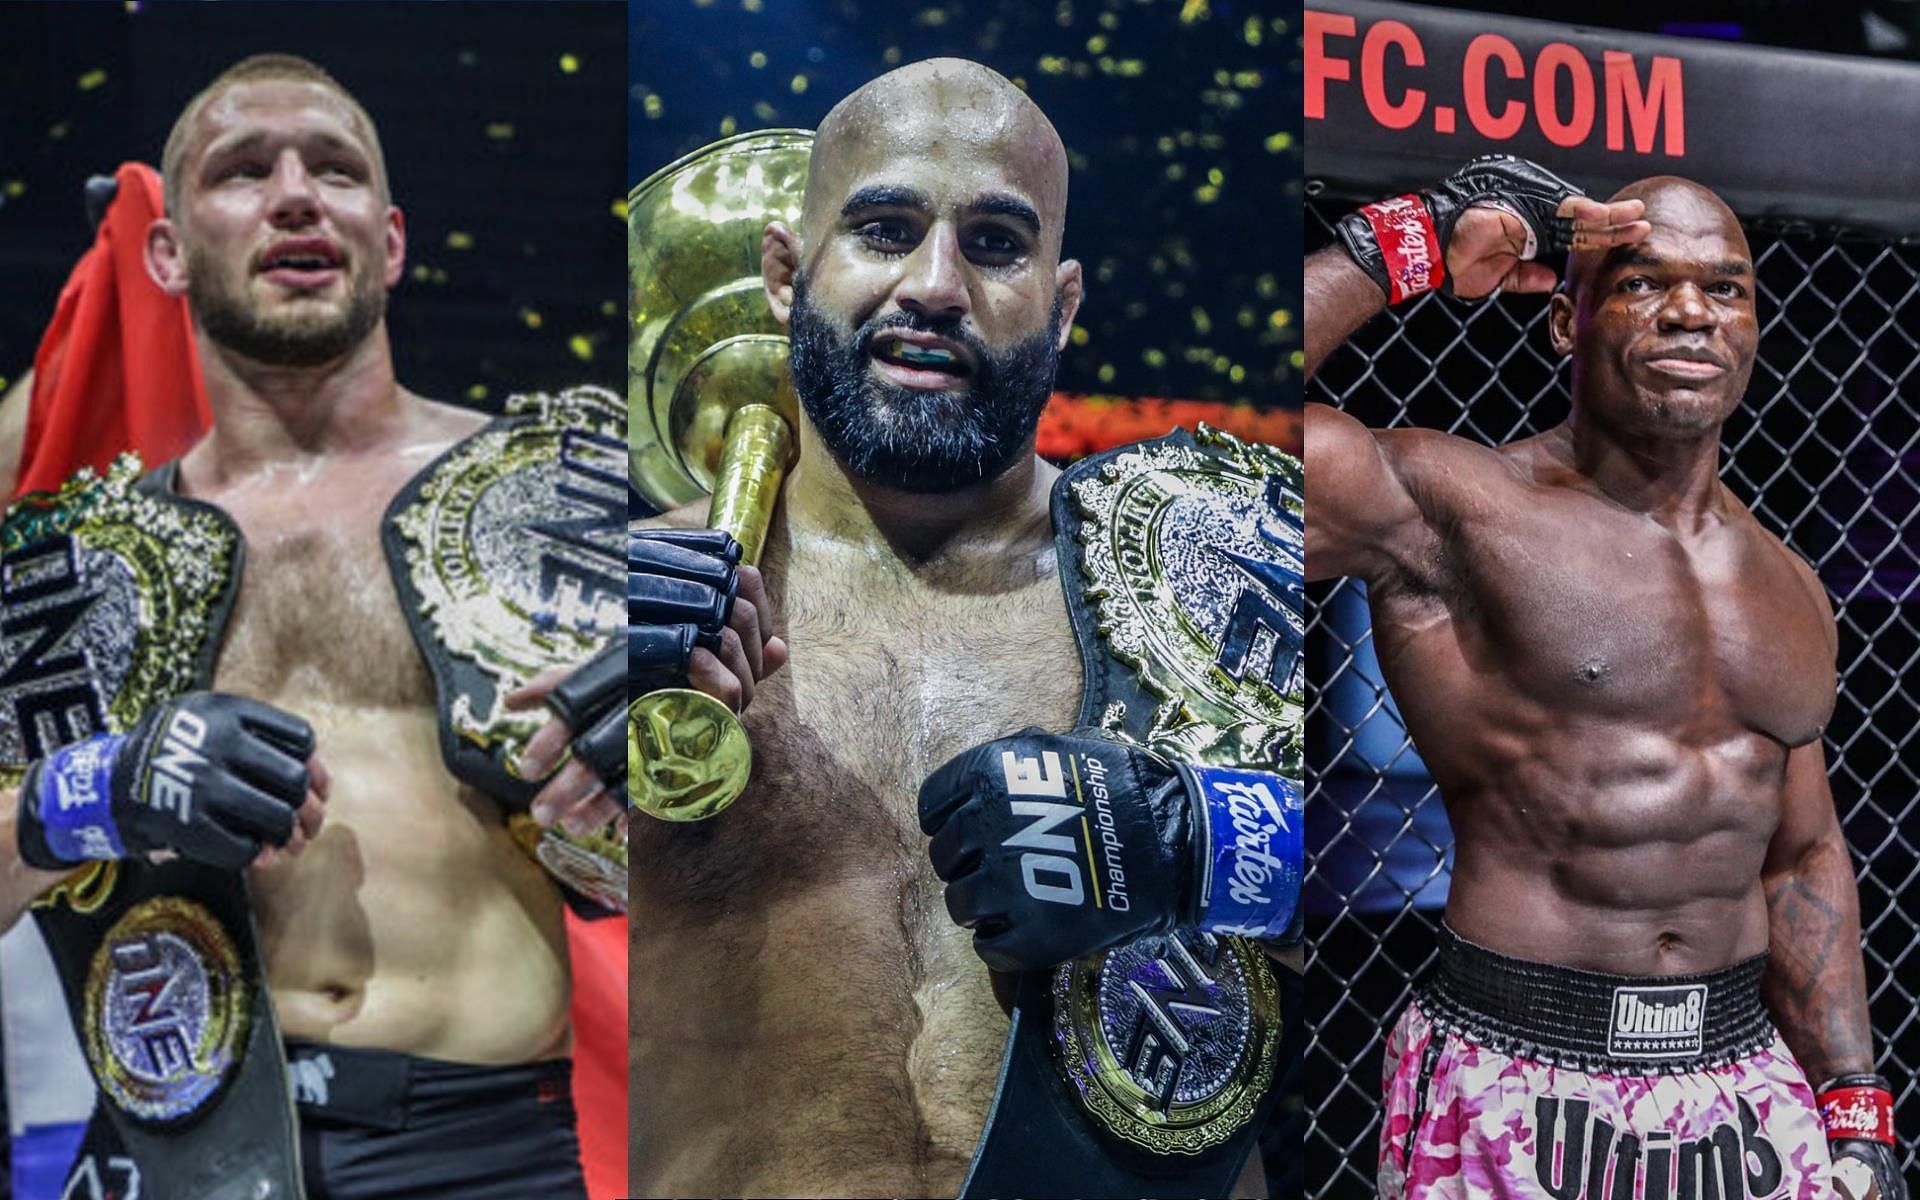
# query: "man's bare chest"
{"type": "Point", "coordinates": [876, 695]}
{"type": "Point", "coordinates": [317, 618]}
{"type": "Point", "coordinates": [1614, 616]}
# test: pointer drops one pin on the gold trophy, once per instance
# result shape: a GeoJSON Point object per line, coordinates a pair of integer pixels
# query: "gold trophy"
{"type": "Point", "coordinates": [710, 410]}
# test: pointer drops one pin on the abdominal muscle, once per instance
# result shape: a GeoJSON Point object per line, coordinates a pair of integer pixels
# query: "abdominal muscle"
{"type": "Point", "coordinates": [413, 923]}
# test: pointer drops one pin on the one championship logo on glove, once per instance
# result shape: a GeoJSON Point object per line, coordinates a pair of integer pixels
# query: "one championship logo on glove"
{"type": "Point", "coordinates": [1050, 862]}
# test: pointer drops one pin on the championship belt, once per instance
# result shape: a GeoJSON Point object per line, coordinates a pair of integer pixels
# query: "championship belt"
{"type": "Point", "coordinates": [114, 595]}
{"type": "Point", "coordinates": [509, 555]}
{"type": "Point", "coordinates": [1149, 1070]}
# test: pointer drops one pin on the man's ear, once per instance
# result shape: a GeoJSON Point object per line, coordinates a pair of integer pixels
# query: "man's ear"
{"type": "Point", "coordinates": [1560, 310]}
{"type": "Point", "coordinates": [166, 260]}
{"type": "Point", "coordinates": [779, 263]}
{"type": "Point", "coordinates": [1070, 285]}
{"type": "Point", "coordinates": [396, 245]}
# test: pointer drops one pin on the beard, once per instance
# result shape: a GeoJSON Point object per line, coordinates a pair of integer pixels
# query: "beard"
{"type": "Point", "coordinates": [918, 441]}
{"type": "Point", "coordinates": [306, 337]}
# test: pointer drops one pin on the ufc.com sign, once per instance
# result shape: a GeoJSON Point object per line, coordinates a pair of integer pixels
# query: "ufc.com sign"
{"type": "Point", "coordinates": [1495, 88]}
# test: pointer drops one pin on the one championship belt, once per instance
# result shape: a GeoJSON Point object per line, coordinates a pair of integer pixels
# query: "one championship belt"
{"type": "Point", "coordinates": [1149, 1070]}
{"type": "Point", "coordinates": [114, 595]}
{"type": "Point", "coordinates": [508, 553]}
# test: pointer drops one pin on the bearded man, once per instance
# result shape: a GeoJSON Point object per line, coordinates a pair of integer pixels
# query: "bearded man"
{"type": "Point", "coordinates": [807, 1020]}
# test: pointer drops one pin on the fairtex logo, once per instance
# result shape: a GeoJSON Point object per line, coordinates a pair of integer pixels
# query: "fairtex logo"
{"type": "Point", "coordinates": [1257, 816]}
{"type": "Point", "coordinates": [1657, 1022]}
{"type": "Point", "coordinates": [1407, 243]}
{"type": "Point", "coordinates": [75, 784]}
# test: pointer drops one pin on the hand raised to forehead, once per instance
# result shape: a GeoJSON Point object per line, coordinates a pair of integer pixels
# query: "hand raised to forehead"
{"type": "Point", "coordinates": [1484, 254]}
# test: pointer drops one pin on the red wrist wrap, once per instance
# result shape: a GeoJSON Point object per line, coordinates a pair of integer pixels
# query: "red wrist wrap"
{"type": "Point", "coordinates": [1858, 1112]}
{"type": "Point", "coordinates": [1409, 246]}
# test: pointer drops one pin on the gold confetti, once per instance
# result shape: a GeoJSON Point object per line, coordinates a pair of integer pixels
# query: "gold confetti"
{"type": "Point", "coordinates": [477, 392]}
{"type": "Point", "coordinates": [1109, 20]}
{"type": "Point", "coordinates": [14, 189]}
{"type": "Point", "coordinates": [798, 85]}
{"type": "Point", "coordinates": [1154, 357]}
{"type": "Point", "coordinates": [931, 17]}
{"type": "Point", "coordinates": [59, 130]}
{"type": "Point", "coordinates": [582, 346]}
{"type": "Point", "coordinates": [569, 64]}
{"type": "Point", "coordinates": [728, 125]}
{"type": "Point", "coordinates": [500, 131]}
{"type": "Point", "coordinates": [1251, 31]}
{"type": "Point", "coordinates": [750, 5]}
{"type": "Point", "coordinates": [891, 56]}
{"type": "Point", "coordinates": [1216, 176]}
{"type": "Point", "coordinates": [1280, 318]}
{"type": "Point", "coordinates": [1202, 323]}
{"type": "Point", "coordinates": [1097, 44]}
{"type": "Point", "coordinates": [653, 106]}
{"type": "Point", "coordinates": [608, 308]}
{"type": "Point", "coordinates": [757, 60]}
{"type": "Point", "coordinates": [1206, 194]}
{"type": "Point", "coordinates": [763, 110]}
{"type": "Point", "coordinates": [531, 318]}
{"type": "Point", "coordinates": [620, 209]}
{"type": "Point", "coordinates": [1106, 373]}
{"type": "Point", "coordinates": [1078, 335]}
{"type": "Point", "coordinates": [1278, 142]}
{"type": "Point", "coordinates": [1237, 373]}
{"type": "Point", "coordinates": [92, 79]}
{"type": "Point", "coordinates": [1193, 10]}
{"type": "Point", "coordinates": [421, 273]}
{"type": "Point", "coordinates": [459, 240]}
{"type": "Point", "coordinates": [1298, 358]}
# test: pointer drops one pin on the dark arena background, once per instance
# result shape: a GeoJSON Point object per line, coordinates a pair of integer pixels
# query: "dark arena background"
{"type": "Point", "coordinates": [502, 125]}
{"type": "Point", "coordinates": [1182, 126]}
{"type": "Point", "coordinates": [1815, 153]}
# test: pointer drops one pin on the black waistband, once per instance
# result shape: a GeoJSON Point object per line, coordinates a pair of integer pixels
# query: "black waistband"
{"type": "Point", "coordinates": [1596, 1022]}
{"type": "Point", "coordinates": [381, 1089]}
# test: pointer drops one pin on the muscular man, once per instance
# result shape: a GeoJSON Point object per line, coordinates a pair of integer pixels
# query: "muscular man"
{"type": "Point", "coordinates": [416, 956]}
{"type": "Point", "coordinates": [808, 1018]}
{"type": "Point", "coordinates": [1618, 679]}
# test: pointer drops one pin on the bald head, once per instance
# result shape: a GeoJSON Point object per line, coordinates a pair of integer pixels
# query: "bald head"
{"type": "Point", "coordinates": [1675, 205]}
{"type": "Point", "coordinates": [968, 117]}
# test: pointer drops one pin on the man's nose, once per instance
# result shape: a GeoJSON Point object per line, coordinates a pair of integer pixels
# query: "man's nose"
{"type": "Point", "coordinates": [293, 199]}
{"type": "Point", "coordinates": [1686, 307]}
{"type": "Point", "coordinates": [934, 283]}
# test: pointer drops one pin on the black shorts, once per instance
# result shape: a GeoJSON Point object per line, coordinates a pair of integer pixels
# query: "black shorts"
{"type": "Point", "coordinates": [381, 1126]}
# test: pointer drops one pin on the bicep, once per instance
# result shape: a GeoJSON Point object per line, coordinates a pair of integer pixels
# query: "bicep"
{"type": "Point", "coordinates": [1807, 818]}
{"type": "Point", "coordinates": [1358, 508]}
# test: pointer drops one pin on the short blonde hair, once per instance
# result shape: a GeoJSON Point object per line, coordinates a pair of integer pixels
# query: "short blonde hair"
{"type": "Point", "coordinates": [283, 67]}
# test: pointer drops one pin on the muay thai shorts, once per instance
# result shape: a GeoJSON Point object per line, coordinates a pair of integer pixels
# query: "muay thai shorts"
{"type": "Point", "coordinates": [1508, 1079]}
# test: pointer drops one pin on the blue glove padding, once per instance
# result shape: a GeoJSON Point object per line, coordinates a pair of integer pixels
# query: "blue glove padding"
{"type": "Point", "coordinates": [1057, 846]}
{"type": "Point", "coordinates": [210, 776]}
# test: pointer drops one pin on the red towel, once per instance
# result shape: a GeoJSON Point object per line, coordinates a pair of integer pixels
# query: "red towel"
{"type": "Point", "coordinates": [117, 371]}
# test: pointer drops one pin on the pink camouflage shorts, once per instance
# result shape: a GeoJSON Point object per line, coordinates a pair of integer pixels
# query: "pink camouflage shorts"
{"type": "Point", "coordinates": [1509, 1079]}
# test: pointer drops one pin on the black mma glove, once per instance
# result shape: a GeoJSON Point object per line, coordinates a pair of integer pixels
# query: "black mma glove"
{"type": "Point", "coordinates": [680, 589]}
{"type": "Point", "coordinates": [211, 776]}
{"type": "Point", "coordinates": [1402, 242]}
{"type": "Point", "coordinates": [593, 703]}
{"type": "Point", "coordinates": [1057, 846]}
{"type": "Point", "coordinates": [1857, 1111]}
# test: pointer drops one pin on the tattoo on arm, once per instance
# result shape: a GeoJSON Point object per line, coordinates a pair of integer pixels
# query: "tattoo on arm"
{"type": "Point", "coordinates": [1815, 985]}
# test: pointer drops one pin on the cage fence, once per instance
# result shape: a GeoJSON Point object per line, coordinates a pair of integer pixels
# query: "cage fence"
{"type": "Point", "coordinates": [1826, 452]}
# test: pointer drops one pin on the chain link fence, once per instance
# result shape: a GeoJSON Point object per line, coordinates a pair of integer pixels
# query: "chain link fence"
{"type": "Point", "coordinates": [1827, 454]}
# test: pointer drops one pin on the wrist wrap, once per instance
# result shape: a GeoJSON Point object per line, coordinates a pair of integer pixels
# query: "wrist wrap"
{"type": "Point", "coordinates": [1251, 847]}
{"type": "Point", "coordinates": [66, 806]}
{"type": "Point", "coordinates": [1858, 1106]}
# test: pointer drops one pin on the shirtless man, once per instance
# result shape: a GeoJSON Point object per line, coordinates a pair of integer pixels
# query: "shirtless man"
{"type": "Point", "coordinates": [412, 934]}
{"type": "Point", "coordinates": [1618, 679]}
{"type": "Point", "coordinates": [808, 1019]}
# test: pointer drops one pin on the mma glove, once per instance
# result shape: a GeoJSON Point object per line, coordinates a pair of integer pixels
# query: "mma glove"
{"type": "Point", "coordinates": [1857, 1111]}
{"type": "Point", "coordinates": [1402, 242]}
{"type": "Point", "coordinates": [680, 589]}
{"type": "Point", "coordinates": [210, 776]}
{"type": "Point", "coordinates": [1057, 846]}
{"type": "Point", "coordinates": [593, 703]}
